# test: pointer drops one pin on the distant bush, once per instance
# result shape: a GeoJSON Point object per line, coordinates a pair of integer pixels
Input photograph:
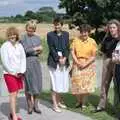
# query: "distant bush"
{"type": "Point", "coordinates": [1, 41]}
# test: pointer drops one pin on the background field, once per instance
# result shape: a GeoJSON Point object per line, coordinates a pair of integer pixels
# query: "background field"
{"type": "Point", "coordinates": [42, 28]}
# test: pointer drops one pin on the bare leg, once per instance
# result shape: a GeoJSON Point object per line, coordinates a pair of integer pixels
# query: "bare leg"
{"type": "Point", "coordinates": [78, 98]}
{"type": "Point", "coordinates": [36, 104]}
{"type": "Point", "coordinates": [13, 104]}
{"type": "Point", "coordinates": [29, 103]}
{"type": "Point", "coordinates": [32, 99]}
{"type": "Point", "coordinates": [59, 99]}
{"type": "Point", "coordinates": [55, 99]}
{"type": "Point", "coordinates": [82, 98]}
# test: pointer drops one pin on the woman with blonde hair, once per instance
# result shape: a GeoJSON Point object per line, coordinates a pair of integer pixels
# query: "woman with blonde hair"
{"type": "Point", "coordinates": [33, 75]}
{"type": "Point", "coordinates": [14, 63]}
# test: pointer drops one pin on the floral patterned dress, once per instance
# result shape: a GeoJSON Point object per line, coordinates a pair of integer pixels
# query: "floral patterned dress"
{"type": "Point", "coordinates": [83, 80]}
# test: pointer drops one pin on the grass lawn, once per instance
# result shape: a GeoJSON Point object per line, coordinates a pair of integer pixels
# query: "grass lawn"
{"type": "Point", "coordinates": [91, 101]}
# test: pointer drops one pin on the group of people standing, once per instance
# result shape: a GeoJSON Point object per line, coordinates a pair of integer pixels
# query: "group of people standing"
{"type": "Point", "coordinates": [20, 60]}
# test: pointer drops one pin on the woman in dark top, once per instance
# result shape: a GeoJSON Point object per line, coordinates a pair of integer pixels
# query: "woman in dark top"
{"type": "Point", "coordinates": [58, 43]}
{"type": "Point", "coordinates": [33, 75]}
{"type": "Point", "coordinates": [108, 46]}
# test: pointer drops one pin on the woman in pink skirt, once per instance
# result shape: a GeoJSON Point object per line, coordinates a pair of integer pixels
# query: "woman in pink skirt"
{"type": "Point", "coordinates": [14, 63]}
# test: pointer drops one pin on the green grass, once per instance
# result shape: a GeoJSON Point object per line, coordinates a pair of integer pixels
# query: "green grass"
{"type": "Point", "coordinates": [91, 101]}
{"type": "Point", "coordinates": [44, 55]}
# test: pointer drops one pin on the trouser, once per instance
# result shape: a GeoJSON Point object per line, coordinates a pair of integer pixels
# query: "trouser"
{"type": "Point", "coordinates": [117, 85]}
{"type": "Point", "coordinates": [107, 75]}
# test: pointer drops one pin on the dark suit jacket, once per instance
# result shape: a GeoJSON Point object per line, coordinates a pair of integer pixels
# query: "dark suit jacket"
{"type": "Point", "coordinates": [57, 43]}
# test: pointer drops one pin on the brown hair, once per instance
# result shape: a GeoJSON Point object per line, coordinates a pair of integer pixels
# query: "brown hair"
{"type": "Point", "coordinates": [113, 21]}
{"type": "Point", "coordinates": [12, 31]}
{"type": "Point", "coordinates": [85, 28]}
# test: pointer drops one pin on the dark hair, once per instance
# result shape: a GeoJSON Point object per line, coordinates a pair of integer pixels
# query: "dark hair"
{"type": "Point", "coordinates": [58, 20]}
{"type": "Point", "coordinates": [85, 28]}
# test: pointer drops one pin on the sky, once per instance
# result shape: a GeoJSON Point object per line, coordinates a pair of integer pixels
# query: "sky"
{"type": "Point", "coordinates": [13, 7]}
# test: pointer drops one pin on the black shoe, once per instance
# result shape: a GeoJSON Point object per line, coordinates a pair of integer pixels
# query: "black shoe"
{"type": "Point", "coordinates": [36, 105]}
{"type": "Point", "coordinates": [29, 111]}
{"type": "Point", "coordinates": [37, 110]}
{"type": "Point", "coordinates": [10, 117]}
{"type": "Point", "coordinates": [99, 109]}
{"type": "Point", "coordinates": [78, 106]}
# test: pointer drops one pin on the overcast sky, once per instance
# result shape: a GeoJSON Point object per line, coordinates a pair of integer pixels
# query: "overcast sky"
{"type": "Point", "coordinates": [13, 7]}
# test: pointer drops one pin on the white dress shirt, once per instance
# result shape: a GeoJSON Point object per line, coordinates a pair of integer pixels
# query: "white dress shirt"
{"type": "Point", "coordinates": [13, 58]}
{"type": "Point", "coordinates": [118, 46]}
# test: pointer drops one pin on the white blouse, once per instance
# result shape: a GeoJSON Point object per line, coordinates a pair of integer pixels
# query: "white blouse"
{"type": "Point", "coordinates": [118, 46]}
{"type": "Point", "coordinates": [13, 58]}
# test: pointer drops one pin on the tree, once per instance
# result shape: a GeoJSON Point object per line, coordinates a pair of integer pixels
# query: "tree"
{"type": "Point", "coordinates": [45, 14]}
{"type": "Point", "coordinates": [94, 12]}
{"type": "Point", "coordinates": [30, 15]}
{"type": "Point", "coordinates": [46, 9]}
{"type": "Point", "coordinates": [19, 18]}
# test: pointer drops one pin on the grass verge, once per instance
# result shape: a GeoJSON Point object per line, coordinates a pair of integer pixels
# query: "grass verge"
{"type": "Point", "coordinates": [92, 101]}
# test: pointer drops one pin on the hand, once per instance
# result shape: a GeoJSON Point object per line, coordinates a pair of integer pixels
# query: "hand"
{"type": "Point", "coordinates": [117, 61]}
{"type": "Point", "coordinates": [38, 48]}
{"type": "Point", "coordinates": [39, 51]}
{"type": "Point", "coordinates": [81, 65]}
{"type": "Point", "coordinates": [20, 75]}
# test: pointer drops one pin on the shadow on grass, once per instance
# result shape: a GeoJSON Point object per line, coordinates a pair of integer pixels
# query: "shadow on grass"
{"type": "Point", "coordinates": [92, 101]}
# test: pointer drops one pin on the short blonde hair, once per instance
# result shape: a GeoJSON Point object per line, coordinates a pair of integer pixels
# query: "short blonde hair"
{"type": "Point", "coordinates": [12, 31]}
{"type": "Point", "coordinates": [32, 24]}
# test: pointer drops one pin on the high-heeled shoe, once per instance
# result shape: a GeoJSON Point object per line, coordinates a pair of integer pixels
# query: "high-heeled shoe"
{"type": "Point", "coordinates": [19, 118]}
{"type": "Point", "coordinates": [29, 103]}
{"type": "Point", "coordinates": [36, 106]}
{"type": "Point", "coordinates": [11, 117]}
{"type": "Point", "coordinates": [80, 105]}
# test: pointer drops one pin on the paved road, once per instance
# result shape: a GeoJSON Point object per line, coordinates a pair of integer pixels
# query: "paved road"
{"type": "Point", "coordinates": [47, 112]}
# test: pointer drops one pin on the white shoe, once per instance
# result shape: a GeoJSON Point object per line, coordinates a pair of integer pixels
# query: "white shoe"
{"type": "Point", "coordinates": [57, 109]}
{"type": "Point", "coordinates": [84, 106]}
{"type": "Point", "coordinates": [62, 105]}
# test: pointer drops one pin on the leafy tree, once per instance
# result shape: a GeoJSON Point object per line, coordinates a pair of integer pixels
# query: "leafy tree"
{"type": "Point", "coordinates": [46, 10]}
{"type": "Point", "coordinates": [30, 15]}
{"type": "Point", "coordinates": [94, 12]}
{"type": "Point", "coordinates": [19, 18]}
{"type": "Point", "coordinates": [45, 14]}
